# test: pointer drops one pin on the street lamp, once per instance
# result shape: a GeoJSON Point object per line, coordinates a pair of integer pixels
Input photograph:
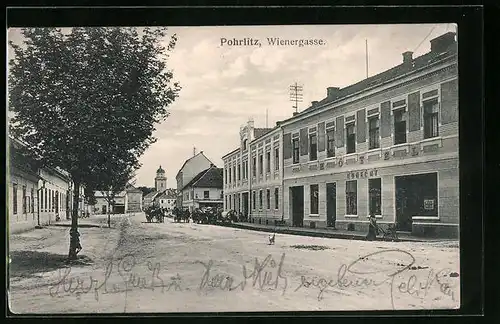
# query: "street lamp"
{"type": "Point", "coordinates": [41, 185]}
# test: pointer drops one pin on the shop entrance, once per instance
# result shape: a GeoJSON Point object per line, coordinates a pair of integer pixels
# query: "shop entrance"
{"type": "Point", "coordinates": [297, 202]}
{"type": "Point", "coordinates": [416, 195]}
{"type": "Point", "coordinates": [331, 204]}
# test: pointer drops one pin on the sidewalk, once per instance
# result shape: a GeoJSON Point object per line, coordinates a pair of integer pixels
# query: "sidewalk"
{"type": "Point", "coordinates": [328, 232]}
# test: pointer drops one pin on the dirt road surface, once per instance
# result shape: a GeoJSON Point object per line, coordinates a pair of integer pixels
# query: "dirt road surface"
{"type": "Point", "coordinates": [176, 267]}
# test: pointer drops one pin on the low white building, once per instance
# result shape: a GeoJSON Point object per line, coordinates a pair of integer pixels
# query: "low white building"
{"type": "Point", "coordinates": [166, 199]}
{"type": "Point", "coordinates": [127, 201]}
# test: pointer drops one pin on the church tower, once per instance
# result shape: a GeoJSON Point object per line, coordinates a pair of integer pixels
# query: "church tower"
{"type": "Point", "coordinates": [160, 180]}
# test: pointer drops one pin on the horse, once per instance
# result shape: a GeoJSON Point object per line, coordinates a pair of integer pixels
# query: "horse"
{"type": "Point", "coordinates": [228, 216]}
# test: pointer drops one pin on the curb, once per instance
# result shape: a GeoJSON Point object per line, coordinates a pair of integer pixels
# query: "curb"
{"type": "Point", "coordinates": [359, 237]}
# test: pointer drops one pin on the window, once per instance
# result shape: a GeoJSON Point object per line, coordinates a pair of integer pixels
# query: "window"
{"type": "Point", "coordinates": [261, 164]}
{"type": "Point", "coordinates": [260, 199]}
{"type": "Point", "coordinates": [32, 200]}
{"type": "Point", "coordinates": [399, 126]}
{"type": "Point", "coordinates": [314, 199]}
{"type": "Point", "coordinates": [295, 148]}
{"type": "Point", "coordinates": [24, 199]}
{"type": "Point", "coordinates": [351, 196]}
{"type": "Point", "coordinates": [330, 143]}
{"type": "Point", "coordinates": [245, 144]}
{"type": "Point", "coordinates": [373, 133]}
{"type": "Point", "coordinates": [268, 162]}
{"type": "Point", "coordinates": [230, 202]}
{"type": "Point", "coordinates": [225, 174]}
{"type": "Point", "coordinates": [431, 118]}
{"type": "Point", "coordinates": [253, 200]}
{"type": "Point", "coordinates": [375, 196]}
{"type": "Point", "coordinates": [276, 158]}
{"type": "Point", "coordinates": [268, 198]}
{"type": "Point", "coordinates": [351, 139]}
{"type": "Point", "coordinates": [206, 194]}
{"type": "Point", "coordinates": [45, 199]}
{"type": "Point", "coordinates": [40, 202]}
{"type": "Point", "coordinates": [254, 166]}
{"type": "Point", "coordinates": [276, 198]}
{"type": "Point", "coordinates": [239, 171]}
{"type": "Point", "coordinates": [234, 173]}
{"type": "Point", "coordinates": [313, 147]}
{"type": "Point", "coordinates": [14, 198]}
{"type": "Point", "coordinates": [56, 200]}
{"type": "Point", "coordinates": [229, 174]}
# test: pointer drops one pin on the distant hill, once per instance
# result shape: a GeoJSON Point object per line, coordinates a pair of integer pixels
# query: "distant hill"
{"type": "Point", "coordinates": [146, 190]}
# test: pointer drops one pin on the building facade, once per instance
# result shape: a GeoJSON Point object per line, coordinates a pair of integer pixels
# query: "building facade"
{"type": "Point", "coordinates": [387, 146]}
{"type": "Point", "coordinates": [37, 196]}
{"type": "Point", "coordinates": [166, 199]}
{"type": "Point", "coordinates": [204, 190]}
{"type": "Point", "coordinates": [253, 175]}
{"type": "Point", "coordinates": [126, 201]}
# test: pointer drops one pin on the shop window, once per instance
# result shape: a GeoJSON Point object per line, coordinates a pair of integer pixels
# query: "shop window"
{"type": "Point", "coordinates": [314, 192]}
{"type": "Point", "coordinates": [351, 195]}
{"type": "Point", "coordinates": [375, 196]}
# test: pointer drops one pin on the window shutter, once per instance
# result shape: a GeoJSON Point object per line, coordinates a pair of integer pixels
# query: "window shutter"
{"type": "Point", "coordinates": [385, 119]}
{"type": "Point", "coordinates": [339, 135]}
{"type": "Point", "coordinates": [321, 137]}
{"type": "Point", "coordinates": [361, 125]}
{"type": "Point", "coordinates": [304, 141]}
{"type": "Point", "coordinates": [449, 102]}
{"type": "Point", "coordinates": [414, 111]}
{"type": "Point", "coordinates": [287, 146]}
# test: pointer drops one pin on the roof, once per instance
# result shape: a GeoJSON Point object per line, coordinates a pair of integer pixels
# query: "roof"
{"type": "Point", "coordinates": [160, 170]}
{"type": "Point", "coordinates": [182, 167]}
{"type": "Point", "coordinates": [378, 79]}
{"type": "Point", "coordinates": [167, 194]}
{"type": "Point", "coordinates": [209, 178]}
{"type": "Point", "coordinates": [151, 195]}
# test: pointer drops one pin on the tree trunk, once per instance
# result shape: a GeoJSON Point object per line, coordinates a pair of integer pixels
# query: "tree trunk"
{"type": "Point", "coordinates": [74, 235]}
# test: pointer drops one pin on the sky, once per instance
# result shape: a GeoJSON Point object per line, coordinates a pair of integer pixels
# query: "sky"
{"type": "Point", "coordinates": [224, 85]}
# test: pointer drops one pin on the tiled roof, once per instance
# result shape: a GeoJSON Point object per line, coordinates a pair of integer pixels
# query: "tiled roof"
{"type": "Point", "coordinates": [209, 178]}
{"type": "Point", "coordinates": [167, 194]}
{"type": "Point", "coordinates": [259, 132]}
{"type": "Point", "coordinates": [397, 71]}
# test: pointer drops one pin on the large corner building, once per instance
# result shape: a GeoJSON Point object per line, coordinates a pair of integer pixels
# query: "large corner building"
{"type": "Point", "coordinates": [387, 145]}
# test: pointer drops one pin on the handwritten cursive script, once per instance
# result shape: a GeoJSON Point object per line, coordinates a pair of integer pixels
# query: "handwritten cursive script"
{"type": "Point", "coordinates": [130, 280]}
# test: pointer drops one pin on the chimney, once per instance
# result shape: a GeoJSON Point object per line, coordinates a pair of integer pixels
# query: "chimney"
{"type": "Point", "coordinates": [407, 57]}
{"type": "Point", "coordinates": [441, 43]}
{"type": "Point", "coordinates": [332, 92]}
{"type": "Point", "coordinates": [314, 103]}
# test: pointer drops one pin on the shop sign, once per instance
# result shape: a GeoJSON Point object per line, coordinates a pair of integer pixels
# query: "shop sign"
{"type": "Point", "coordinates": [361, 174]}
{"type": "Point", "coordinates": [428, 204]}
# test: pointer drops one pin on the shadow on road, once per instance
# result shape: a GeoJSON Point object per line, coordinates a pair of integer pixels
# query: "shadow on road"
{"type": "Point", "coordinates": [79, 225]}
{"type": "Point", "coordinates": [27, 263]}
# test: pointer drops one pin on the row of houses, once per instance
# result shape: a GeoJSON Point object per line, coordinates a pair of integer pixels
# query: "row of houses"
{"type": "Point", "coordinates": [387, 146]}
{"type": "Point", "coordinates": [37, 196]}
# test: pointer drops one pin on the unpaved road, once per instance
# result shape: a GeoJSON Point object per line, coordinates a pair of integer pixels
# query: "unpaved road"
{"type": "Point", "coordinates": [141, 267]}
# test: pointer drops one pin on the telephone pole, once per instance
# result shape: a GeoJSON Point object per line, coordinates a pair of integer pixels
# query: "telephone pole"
{"type": "Point", "coordinates": [296, 95]}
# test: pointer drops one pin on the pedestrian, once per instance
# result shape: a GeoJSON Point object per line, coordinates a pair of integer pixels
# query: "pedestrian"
{"type": "Point", "coordinates": [372, 228]}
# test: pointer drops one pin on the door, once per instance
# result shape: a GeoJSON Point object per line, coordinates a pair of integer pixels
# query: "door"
{"type": "Point", "coordinates": [297, 197]}
{"type": "Point", "coordinates": [331, 204]}
{"type": "Point", "coordinates": [245, 204]}
{"type": "Point", "coordinates": [104, 209]}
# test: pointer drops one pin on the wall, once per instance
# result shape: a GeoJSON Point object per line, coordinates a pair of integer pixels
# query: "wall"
{"type": "Point", "coordinates": [21, 221]}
